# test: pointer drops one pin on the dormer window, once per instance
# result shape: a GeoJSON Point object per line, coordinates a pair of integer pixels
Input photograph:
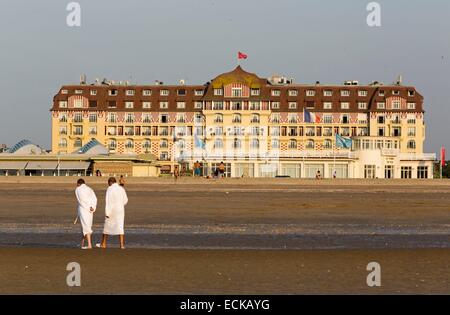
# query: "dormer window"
{"type": "Point", "coordinates": [276, 93]}
{"type": "Point", "coordinates": [147, 92]}
{"type": "Point", "coordinates": [254, 92]}
{"type": "Point", "coordinates": [236, 92]}
{"type": "Point", "coordinates": [129, 92]}
{"type": "Point", "coordinates": [113, 92]}
{"type": "Point", "coordinates": [293, 93]}
{"type": "Point", "coordinates": [164, 92]}
{"type": "Point", "coordinates": [218, 92]}
{"type": "Point", "coordinates": [310, 93]}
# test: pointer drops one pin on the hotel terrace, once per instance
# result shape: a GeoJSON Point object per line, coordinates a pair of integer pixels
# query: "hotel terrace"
{"type": "Point", "coordinates": [256, 126]}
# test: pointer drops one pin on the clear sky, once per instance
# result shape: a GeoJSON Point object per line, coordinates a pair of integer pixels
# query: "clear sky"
{"type": "Point", "coordinates": [169, 40]}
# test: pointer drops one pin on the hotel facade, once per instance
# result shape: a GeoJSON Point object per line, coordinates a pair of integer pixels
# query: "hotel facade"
{"type": "Point", "coordinates": [257, 127]}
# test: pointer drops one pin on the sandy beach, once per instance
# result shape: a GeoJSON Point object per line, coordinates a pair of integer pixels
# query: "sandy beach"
{"type": "Point", "coordinates": [232, 236]}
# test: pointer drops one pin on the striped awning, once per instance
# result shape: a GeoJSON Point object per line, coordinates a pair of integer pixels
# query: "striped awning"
{"type": "Point", "coordinates": [73, 165]}
{"type": "Point", "coordinates": [42, 165]}
{"type": "Point", "coordinates": [12, 165]}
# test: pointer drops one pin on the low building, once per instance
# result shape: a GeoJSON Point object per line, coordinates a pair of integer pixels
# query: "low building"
{"type": "Point", "coordinates": [27, 159]}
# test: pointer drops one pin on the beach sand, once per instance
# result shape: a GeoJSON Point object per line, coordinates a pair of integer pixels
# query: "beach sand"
{"type": "Point", "coordinates": [232, 236]}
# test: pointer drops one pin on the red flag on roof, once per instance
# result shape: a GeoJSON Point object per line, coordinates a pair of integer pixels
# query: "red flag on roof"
{"type": "Point", "coordinates": [241, 55]}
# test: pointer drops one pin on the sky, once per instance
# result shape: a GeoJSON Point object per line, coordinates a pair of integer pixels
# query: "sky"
{"type": "Point", "coordinates": [168, 40]}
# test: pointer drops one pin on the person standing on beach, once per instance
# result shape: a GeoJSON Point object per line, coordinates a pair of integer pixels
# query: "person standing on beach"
{"type": "Point", "coordinates": [87, 203]}
{"type": "Point", "coordinates": [116, 199]}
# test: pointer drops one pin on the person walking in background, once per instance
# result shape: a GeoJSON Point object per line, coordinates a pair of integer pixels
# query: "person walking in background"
{"type": "Point", "coordinates": [87, 203]}
{"type": "Point", "coordinates": [222, 169]}
{"type": "Point", "coordinates": [197, 169]}
{"type": "Point", "coordinates": [116, 199]}
{"type": "Point", "coordinates": [122, 181]}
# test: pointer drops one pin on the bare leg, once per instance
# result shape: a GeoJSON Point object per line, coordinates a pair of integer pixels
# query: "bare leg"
{"type": "Point", "coordinates": [88, 238]}
{"type": "Point", "coordinates": [122, 241]}
{"type": "Point", "coordinates": [104, 238]}
{"type": "Point", "coordinates": [82, 241]}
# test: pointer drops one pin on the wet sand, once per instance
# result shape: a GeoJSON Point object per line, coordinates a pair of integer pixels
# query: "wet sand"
{"type": "Point", "coordinates": [234, 236]}
{"type": "Point", "coordinates": [133, 271]}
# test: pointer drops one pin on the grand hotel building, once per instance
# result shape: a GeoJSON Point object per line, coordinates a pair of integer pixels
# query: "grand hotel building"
{"type": "Point", "coordinates": [256, 126]}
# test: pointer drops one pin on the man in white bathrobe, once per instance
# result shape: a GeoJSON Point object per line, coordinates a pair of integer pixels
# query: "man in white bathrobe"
{"type": "Point", "coordinates": [116, 199]}
{"type": "Point", "coordinates": [87, 203]}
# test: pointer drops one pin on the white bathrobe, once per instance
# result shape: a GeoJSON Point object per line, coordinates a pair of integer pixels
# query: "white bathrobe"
{"type": "Point", "coordinates": [86, 199]}
{"type": "Point", "coordinates": [116, 199]}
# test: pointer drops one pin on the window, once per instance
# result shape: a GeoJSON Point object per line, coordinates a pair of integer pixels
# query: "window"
{"type": "Point", "coordinates": [275, 118]}
{"type": "Point", "coordinates": [411, 105]}
{"type": "Point", "coordinates": [381, 93]}
{"type": "Point", "coordinates": [92, 104]}
{"type": "Point", "coordinates": [369, 171]}
{"type": "Point", "coordinates": [328, 144]}
{"type": "Point", "coordinates": [236, 92]}
{"type": "Point", "coordinates": [164, 156]}
{"type": "Point", "coordinates": [362, 105]}
{"type": "Point", "coordinates": [292, 118]}
{"type": "Point", "coordinates": [218, 118]}
{"type": "Point", "coordinates": [254, 92]}
{"type": "Point", "coordinates": [146, 144]}
{"type": "Point", "coordinates": [64, 91]}
{"type": "Point", "coordinates": [396, 104]}
{"type": "Point", "coordinates": [62, 143]}
{"type": "Point", "coordinates": [275, 105]}
{"type": "Point", "coordinates": [237, 118]}
{"type": "Point", "coordinates": [411, 121]}
{"type": "Point", "coordinates": [254, 144]}
{"type": "Point", "coordinates": [345, 105]}
{"type": "Point", "coordinates": [78, 103]}
{"type": "Point", "coordinates": [92, 118]}
{"type": "Point", "coordinates": [163, 118]}
{"type": "Point", "coordinates": [63, 130]}
{"type": "Point", "coordinates": [236, 143]}
{"type": "Point", "coordinates": [113, 92]}
{"type": "Point", "coordinates": [164, 92]}
{"type": "Point", "coordinates": [218, 144]}
{"type": "Point", "coordinates": [255, 105]}
{"type": "Point", "coordinates": [255, 118]}
{"type": "Point", "coordinates": [129, 118]}
{"type": "Point", "coordinates": [327, 119]}
{"type": "Point", "coordinates": [328, 93]}
{"type": "Point", "coordinates": [381, 132]}
{"type": "Point", "coordinates": [129, 92]}
{"type": "Point", "coordinates": [362, 93]}
{"type": "Point", "coordinates": [327, 105]}
{"type": "Point", "coordinates": [217, 105]}
{"type": "Point", "coordinates": [164, 105]}
{"type": "Point", "coordinates": [411, 145]}
{"type": "Point", "coordinates": [93, 92]}
{"type": "Point", "coordinates": [163, 143]}
{"type": "Point", "coordinates": [411, 93]}
{"type": "Point", "coordinates": [198, 93]}
{"type": "Point", "coordinates": [198, 105]}
{"type": "Point", "coordinates": [292, 144]}
{"type": "Point", "coordinates": [112, 144]}
{"type": "Point", "coordinates": [146, 105]}
{"type": "Point", "coordinates": [78, 143]}
{"type": "Point", "coordinates": [275, 93]}
{"type": "Point", "coordinates": [146, 118]}
{"type": "Point", "coordinates": [62, 104]}
{"type": "Point", "coordinates": [218, 92]}
{"type": "Point", "coordinates": [345, 119]}
{"type": "Point", "coordinates": [129, 144]}
{"type": "Point", "coordinates": [381, 119]}
{"type": "Point", "coordinates": [146, 92]}
{"type": "Point", "coordinates": [310, 93]}
{"type": "Point", "coordinates": [411, 131]}
{"type": "Point", "coordinates": [275, 144]}
{"type": "Point", "coordinates": [181, 92]}
{"type": "Point", "coordinates": [92, 130]}
{"type": "Point", "coordinates": [112, 117]}
{"type": "Point", "coordinates": [310, 144]}
{"type": "Point", "coordinates": [292, 105]}
{"type": "Point", "coordinates": [381, 105]}
{"type": "Point", "coordinates": [345, 93]}
{"type": "Point", "coordinates": [293, 93]}
{"type": "Point", "coordinates": [395, 92]}
{"type": "Point", "coordinates": [406, 172]}
{"type": "Point", "coordinates": [78, 91]}
{"type": "Point", "coordinates": [112, 104]}
{"type": "Point", "coordinates": [78, 117]}
{"type": "Point", "coordinates": [181, 105]}
{"type": "Point", "coordinates": [129, 105]}
{"type": "Point", "coordinates": [422, 172]}
{"type": "Point", "coordinates": [181, 118]}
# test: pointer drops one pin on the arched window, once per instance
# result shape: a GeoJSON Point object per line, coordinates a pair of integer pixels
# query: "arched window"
{"type": "Point", "coordinates": [129, 144]}
{"type": "Point", "coordinates": [181, 144]}
{"type": "Point", "coordinates": [237, 143]}
{"type": "Point", "coordinates": [218, 118]}
{"type": "Point", "coordinates": [218, 144]}
{"type": "Point", "coordinates": [237, 118]}
{"type": "Point", "coordinates": [327, 144]}
{"type": "Point", "coordinates": [147, 144]}
{"type": "Point", "coordinates": [411, 144]}
{"type": "Point", "coordinates": [255, 118]}
{"type": "Point", "coordinates": [164, 143]}
{"type": "Point", "coordinates": [292, 144]}
{"type": "Point", "coordinates": [310, 144]}
{"type": "Point", "coordinates": [63, 143]}
{"type": "Point", "coordinates": [112, 144]}
{"type": "Point", "coordinates": [78, 143]}
{"type": "Point", "coordinates": [254, 144]}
